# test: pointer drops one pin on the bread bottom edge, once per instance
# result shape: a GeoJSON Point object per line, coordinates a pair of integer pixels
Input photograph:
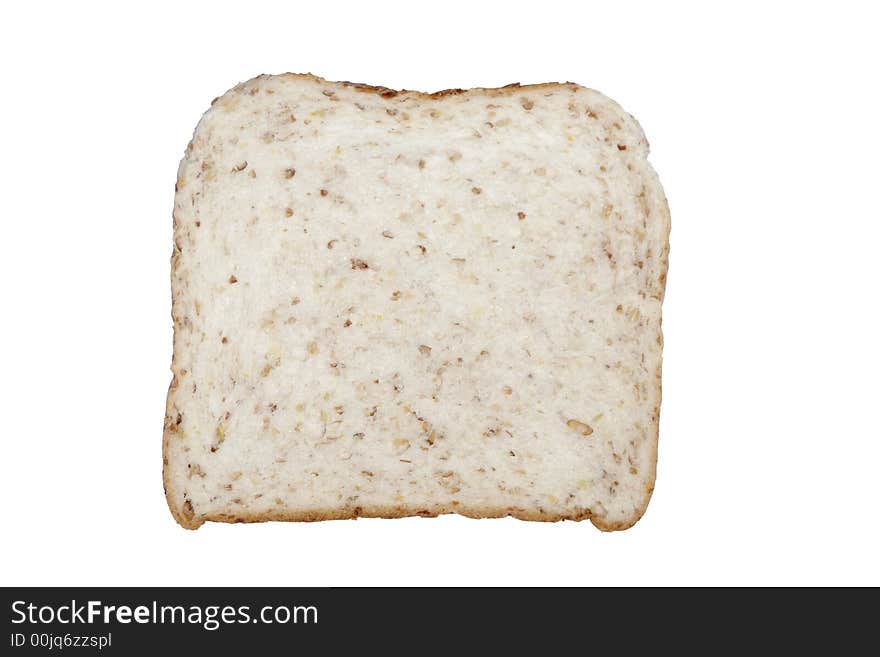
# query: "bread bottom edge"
{"type": "Point", "coordinates": [392, 512]}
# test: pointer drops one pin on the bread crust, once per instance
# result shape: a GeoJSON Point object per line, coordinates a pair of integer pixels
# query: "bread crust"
{"type": "Point", "coordinates": [389, 512]}
{"type": "Point", "coordinates": [386, 92]}
{"type": "Point", "coordinates": [193, 521]}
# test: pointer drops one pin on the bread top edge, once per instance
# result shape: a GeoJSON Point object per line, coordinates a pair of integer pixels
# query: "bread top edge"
{"type": "Point", "coordinates": [388, 92]}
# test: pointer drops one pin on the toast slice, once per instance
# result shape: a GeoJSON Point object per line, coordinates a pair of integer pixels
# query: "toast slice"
{"type": "Point", "coordinates": [391, 303]}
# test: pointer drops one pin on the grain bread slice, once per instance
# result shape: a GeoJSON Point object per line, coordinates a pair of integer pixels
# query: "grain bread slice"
{"type": "Point", "coordinates": [391, 303]}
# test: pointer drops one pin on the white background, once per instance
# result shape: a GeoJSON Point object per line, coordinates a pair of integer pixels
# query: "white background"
{"type": "Point", "coordinates": [763, 121]}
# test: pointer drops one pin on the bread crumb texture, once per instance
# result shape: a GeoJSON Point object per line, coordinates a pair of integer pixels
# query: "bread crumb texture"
{"type": "Point", "coordinates": [395, 303]}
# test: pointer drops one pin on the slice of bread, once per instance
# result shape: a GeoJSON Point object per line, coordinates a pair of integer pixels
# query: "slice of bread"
{"type": "Point", "coordinates": [394, 303]}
